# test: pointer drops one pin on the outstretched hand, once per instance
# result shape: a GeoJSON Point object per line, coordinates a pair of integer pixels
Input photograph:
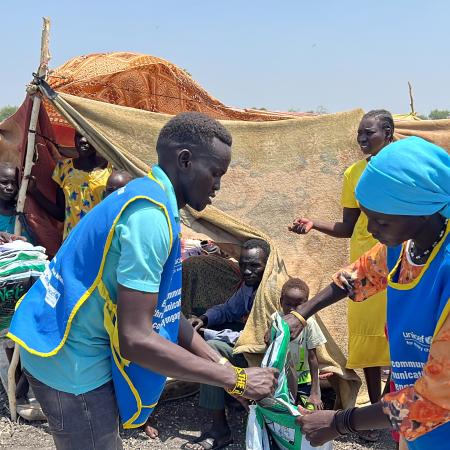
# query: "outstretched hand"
{"type": "Point", "coordinates": [196, 322]}
{"type": "Point", "coordinates": [301, 225]}
{"type": "Point", "coordinates": [317, 426]}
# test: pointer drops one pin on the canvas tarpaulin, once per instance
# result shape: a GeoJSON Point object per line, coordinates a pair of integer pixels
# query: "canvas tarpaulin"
{"type": "Point", "coordinates": [271, 178]}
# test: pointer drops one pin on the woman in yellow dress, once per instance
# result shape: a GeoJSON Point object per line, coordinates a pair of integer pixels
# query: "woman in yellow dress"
{"type": "Point", "coordinates": [80, 183]}
{"type": "Point", "coordinates": [367, 344]}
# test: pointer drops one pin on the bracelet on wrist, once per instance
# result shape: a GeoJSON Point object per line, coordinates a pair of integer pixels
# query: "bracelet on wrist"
{"type": "Point", "coordinates": [299, 317]}
{"type": "Point", "coordinates": [241, 382]}
{"type": "Point", "coordinates": [348, 423]}
{"type": "Point", "coordinates": [336, 420]}
{"type": "Point", "coordinates": [343, 423]}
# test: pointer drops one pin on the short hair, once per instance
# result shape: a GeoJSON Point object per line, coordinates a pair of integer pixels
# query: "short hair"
{"type": "Point", "coordinates": [123, 172]}
{"type": "Point", "coordinates": [295, 283]}
{"type": "Point", "coordinates": [257, 243]}
{"type": "Point", "coordinates": [10, 165]}
{"type": "Point", "coordinates": [386, 119]}
{"type": "Point", "coordinates": [192, 128]}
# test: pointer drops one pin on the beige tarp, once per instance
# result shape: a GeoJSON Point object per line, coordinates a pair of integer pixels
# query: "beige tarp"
{"type": "Point", "coordinates": [271, 178]}
{"type": "Point", "coordinates": [279, 170]}
{"type": "Point", "coordinates": [437, 131]}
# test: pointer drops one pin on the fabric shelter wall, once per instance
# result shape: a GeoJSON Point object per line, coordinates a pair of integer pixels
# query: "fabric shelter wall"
{"type": "Point", "coordinates": [13, 143]}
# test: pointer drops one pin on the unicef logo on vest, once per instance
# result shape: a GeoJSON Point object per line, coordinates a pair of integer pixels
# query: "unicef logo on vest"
{"type": "Point", "coordinates": [419, 341]}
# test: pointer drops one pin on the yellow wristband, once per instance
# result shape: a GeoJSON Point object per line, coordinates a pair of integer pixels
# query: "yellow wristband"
{"type": "Point", "coordinates": [241, 382]}
{"type": "Point", "coordinates": [299, 317]}
{"type": "Point", "coordinates": [222, 361]}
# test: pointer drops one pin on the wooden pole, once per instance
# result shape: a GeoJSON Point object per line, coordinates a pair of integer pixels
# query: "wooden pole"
{"type": "Point", "coordinates": [42, 72]}
{"type": "Point", "coordinates": [411, 99]}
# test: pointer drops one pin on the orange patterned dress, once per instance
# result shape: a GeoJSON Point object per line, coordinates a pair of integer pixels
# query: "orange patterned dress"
{"type": "Point", "coordinates": [418, 409]}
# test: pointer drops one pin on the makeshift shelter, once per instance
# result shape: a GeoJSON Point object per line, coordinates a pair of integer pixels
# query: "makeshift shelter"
{"type": "Point", "coordinates": [282, 166]}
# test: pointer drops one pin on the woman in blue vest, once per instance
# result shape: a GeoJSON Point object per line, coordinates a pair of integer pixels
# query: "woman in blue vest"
{"type": "Point", "coordinates": [101, 329]}
{"type": "Point", "coordinates": [405, 193]}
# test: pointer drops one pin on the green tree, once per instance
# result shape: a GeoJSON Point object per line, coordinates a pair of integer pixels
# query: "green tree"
{"type": "Point", "coordinates": [321, 110]}
{"type": "Point", "coordinates": [7, 111]}
{"type": "Point", "coordinates": [439, 114]}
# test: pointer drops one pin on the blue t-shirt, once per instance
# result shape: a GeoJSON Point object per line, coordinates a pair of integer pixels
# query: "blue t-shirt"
{"type": "Point", "coordinates": [135, 260]}
{"type": "Point", "coordinates": [7, 224]}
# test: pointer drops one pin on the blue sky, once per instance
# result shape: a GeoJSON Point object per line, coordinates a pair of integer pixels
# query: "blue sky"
{"type": "Point", "coordinates": [279, 55]}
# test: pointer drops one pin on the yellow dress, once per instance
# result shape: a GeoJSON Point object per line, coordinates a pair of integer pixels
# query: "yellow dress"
{"type": "Point", "coordinates": [367, 343]}
{"type": "Point", "coordinates": [82, 190]}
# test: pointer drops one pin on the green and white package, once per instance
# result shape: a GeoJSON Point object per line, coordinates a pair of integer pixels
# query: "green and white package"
{"type": "Point", "coordinates": [272, 421]}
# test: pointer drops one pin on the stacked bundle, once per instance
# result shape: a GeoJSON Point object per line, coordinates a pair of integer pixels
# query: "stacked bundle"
{"type": "Point", "coordinates": [21, 264]}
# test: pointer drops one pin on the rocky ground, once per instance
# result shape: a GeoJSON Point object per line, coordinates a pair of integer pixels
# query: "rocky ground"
{"type": "Point", "coordinates": [178, 422]}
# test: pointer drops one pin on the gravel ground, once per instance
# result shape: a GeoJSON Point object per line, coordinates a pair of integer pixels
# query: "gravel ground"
{"type": "Point", "coordinates": [178, 422]}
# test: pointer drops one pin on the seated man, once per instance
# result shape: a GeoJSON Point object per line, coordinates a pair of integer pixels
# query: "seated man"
{"type": "Point", "coordinates": [229, 316]}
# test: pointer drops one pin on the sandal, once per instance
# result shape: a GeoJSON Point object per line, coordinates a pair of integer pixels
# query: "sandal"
{"type": "Point", "coordinates": [208, 442]}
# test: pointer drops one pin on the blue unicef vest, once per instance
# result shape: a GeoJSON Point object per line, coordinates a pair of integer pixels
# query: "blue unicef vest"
{"type": "Point", "coordinates": [43, 317]}
{"type": "Point", "coordinates": [415, 313]}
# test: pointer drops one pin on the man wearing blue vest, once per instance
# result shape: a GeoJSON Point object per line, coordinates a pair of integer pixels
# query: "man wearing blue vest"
{"type": "Point", "coordinates": [101, 329]}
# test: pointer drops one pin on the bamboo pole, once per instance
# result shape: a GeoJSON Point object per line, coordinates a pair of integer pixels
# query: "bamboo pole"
{"type": "Point", "coordinates": [42, 72]}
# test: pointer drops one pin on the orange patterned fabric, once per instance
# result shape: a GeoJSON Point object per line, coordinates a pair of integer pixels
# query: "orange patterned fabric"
{"type": "Point", "coordinates": [416, 410]}
{"type": "Point", "coordinates": [142, 82]}
{"type": "Point", "coordinates": [368, 274]}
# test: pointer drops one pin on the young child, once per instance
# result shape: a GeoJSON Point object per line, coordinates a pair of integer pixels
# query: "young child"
{"type": "Point", "coordinates": [81, 184]}
{"type": "Point", "coordinates": [118, 178]}
{"type": "Point", "coordinates": [303, 349]}
{"type": "Point", "coordinates": [9, 188]}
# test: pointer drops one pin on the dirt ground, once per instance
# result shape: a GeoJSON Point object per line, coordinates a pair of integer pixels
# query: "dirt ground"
{"type": "Point", "coordinates": [178, 422]}
{"type": "Point", "coordinates": [181, 420]}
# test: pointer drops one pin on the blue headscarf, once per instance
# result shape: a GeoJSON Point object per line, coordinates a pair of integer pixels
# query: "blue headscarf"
{"type": "Point", "coordinates": [410, 177]}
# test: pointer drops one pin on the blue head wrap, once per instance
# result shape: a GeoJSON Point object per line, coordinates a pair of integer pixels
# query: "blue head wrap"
{"type": "Point", "coordinates": [410, 177]}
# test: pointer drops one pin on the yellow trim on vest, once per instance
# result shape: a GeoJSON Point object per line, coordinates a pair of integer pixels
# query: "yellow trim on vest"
{"type": "Point", "coordinates": [109, 314]}
{"type": "Point", "coordinates": [97, 280]}
{"type": "Point", "coordinates": [413, 284]}
{"type": "Point", "coordinates": [442, 318]}
{"type": "Point", "coordinates": [19, 302]}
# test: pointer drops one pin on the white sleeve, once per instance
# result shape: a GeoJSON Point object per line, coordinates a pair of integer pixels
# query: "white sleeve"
{"type": "Point", "coordinates": [313, 334]}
